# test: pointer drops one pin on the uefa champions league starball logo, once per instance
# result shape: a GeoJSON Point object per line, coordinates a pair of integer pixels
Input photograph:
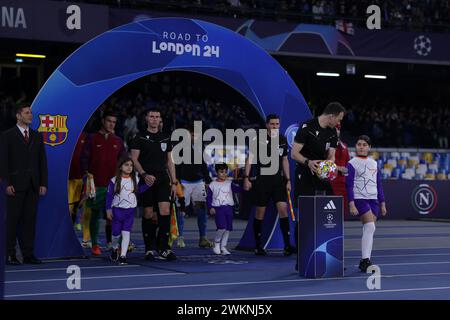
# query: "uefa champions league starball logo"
{"type": "Point", "coordinates": [330, 218]}
{"type": "Point", "coordinates": [329, 224]}
{"type": "Point", "coordinates": [422, 45]}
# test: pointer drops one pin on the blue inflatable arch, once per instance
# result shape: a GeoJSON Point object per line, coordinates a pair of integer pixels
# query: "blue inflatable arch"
{"type": "Point", "coordinates": [117, 57]}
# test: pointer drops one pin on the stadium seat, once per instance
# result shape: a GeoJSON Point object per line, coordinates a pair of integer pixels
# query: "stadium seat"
{"type": "Point", "coordinates": [428, 157]}
{"type": "Point", "coordinates": [375, 155]}
{"type": "Point", "coordinates": [430, 176]}
{"type": "Point", "coordinates": [422, 169]}
{"type": "Point", "coordinates": [447, 157]}
{"type": "Point", "coordinates": [402, 161]}
{"type": "Point", "coordinates": [441, 176]}
{"type": "Point", "coordinates": [441, 162]}
{"type": "Point", "coordinates": [410, 172]}
{"type": "Point", "coordinates": [419, 176]}
{"type": "Point", "coordinates": [392, 162]}
{"type": "Point", "coordinates": [446, 161]}
{"type": "Point", "coordinates": [380, 163]}
{"type": "Point", "coordinates": [434, 167]}
{"type": "Point", "coordinates": [386, 173]}
{"type": "Point", "coordinates": [395, 173]}
{"type": "Point", "coordinates": [387, 166]}
{"type": "Point", "coordinates": [395, 155]}
{"type": "Point", "coordinates": [405, 155]}
{"type": "Point", "coordinates": [406, 176]}
{"type": "Point", "coordinates": [413, 161]}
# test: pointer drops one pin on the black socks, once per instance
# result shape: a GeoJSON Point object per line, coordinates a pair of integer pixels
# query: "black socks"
{"type": "Point", "coordinates": [284, 226]}
{"type": "Point", "coordinates": [257, 226]}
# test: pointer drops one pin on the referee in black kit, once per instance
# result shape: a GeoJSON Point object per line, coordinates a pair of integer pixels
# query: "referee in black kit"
{"type": "Point", "coordinates": [152, 156]}
{"type": "Point", "coordinates": [274, 186]}
{"type": "Point", "coordinates": [316, 140]}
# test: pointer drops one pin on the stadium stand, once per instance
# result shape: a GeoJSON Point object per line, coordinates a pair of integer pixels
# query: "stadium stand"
{"type": "Point", "coordinates": [397, 14]}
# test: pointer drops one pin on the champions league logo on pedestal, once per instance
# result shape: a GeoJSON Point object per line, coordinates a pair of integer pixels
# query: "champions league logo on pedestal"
{"type": "Point", "coordinates": [330, 216]}
{"type": "Point", "coordinates": [330, 223]}
{"type": "Point", "coordinates": [321, 237]}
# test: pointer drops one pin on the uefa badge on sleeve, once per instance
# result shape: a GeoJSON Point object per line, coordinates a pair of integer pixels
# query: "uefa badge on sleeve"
{"type": "Point", "coordinates": [53, 129]}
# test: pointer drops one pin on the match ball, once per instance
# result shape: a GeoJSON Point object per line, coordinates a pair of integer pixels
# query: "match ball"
{"type": "Point", "coordinates": [327, 170]}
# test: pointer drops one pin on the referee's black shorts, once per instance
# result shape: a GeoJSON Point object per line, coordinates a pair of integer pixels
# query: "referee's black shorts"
{"type": "Point", "coordinates": [158, 192]}
{"type": "Point", "coordinates": [307, 184]}
{"type": "Point", "coordinates": [269, 187]}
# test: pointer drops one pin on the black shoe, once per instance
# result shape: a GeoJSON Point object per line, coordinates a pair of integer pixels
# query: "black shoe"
{"type": "Point", "coordinates": [259, 251]}
{"type": "Point", "coordinates": [12, 261]}
{"type": "Point", "coordinates": [168, 255]}
{"type": "Point", "coordinates": [122, 260]}
{"type": "Point", "coordinates": [31, 260]}
{"type": "Point", "coordinates": [288, 250]}
{"type": "Point", "coordinates": [151, 255]}
{"type": "Point", "coordinates": [364, 264]}
{"type": "Point", "coordinates": [114, 255]}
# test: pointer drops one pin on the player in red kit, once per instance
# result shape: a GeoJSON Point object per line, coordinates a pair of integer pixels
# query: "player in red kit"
{"type": "Point", "coordinates": [342, 157]}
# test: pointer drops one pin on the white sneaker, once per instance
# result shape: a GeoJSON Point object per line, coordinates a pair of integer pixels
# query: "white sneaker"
{"type": "Point", "coordinates": [86, 244]}
{"type": "Point", "coordinates": [224, 242]}
{"type": "Point", "coordinates": [216, 248]}
{"type": "Point", "coordinates": [181, 243]}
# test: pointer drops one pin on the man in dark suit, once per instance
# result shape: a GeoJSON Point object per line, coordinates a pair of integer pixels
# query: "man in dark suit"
{"type": "Point", "coordinates": [23, 164]}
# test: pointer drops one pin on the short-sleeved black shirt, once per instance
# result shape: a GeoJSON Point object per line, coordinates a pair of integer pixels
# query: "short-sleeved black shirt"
{"type": "Point", "coordinates": [153, 148]}
{"type": "Point", "coordinates": [282, 152]}
{"type": "Point", "coordinates": [316, 140]}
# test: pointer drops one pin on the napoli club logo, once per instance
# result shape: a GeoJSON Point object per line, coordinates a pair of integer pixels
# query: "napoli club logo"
{"type": "Point", "coordinates": [53, 129]}
{"type": "Point", "coordinates": [424, 199]}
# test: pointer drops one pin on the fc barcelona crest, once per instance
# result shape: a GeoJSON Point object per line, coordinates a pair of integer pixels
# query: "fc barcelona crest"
{"type": "Point", "coordinates": [53, 129]}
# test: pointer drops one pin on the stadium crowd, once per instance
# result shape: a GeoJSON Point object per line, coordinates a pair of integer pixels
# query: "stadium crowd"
{"type": "Point", "coordinates": [390, 124]}
{"type": "Point", "coordinates": [399, 126]}
{"type": "Point", "coordinates": [178, 112]}
{"type": "Point", "coordinates": [396, 13]}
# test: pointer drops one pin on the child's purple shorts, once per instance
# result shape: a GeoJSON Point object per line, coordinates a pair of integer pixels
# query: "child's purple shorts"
{"type": "Point", "coordinates": [364, 205]}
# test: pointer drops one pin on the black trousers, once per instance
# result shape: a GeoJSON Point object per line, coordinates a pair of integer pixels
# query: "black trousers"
{"type": "Point", "coordinates": [21, 212]}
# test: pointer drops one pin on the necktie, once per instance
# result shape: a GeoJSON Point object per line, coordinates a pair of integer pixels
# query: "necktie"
{"type": "Point", "coordinates": [27, 138]}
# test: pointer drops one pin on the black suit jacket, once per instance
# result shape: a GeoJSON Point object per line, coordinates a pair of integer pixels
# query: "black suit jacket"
{"type": "Point", "coordinates": [23, 165]}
